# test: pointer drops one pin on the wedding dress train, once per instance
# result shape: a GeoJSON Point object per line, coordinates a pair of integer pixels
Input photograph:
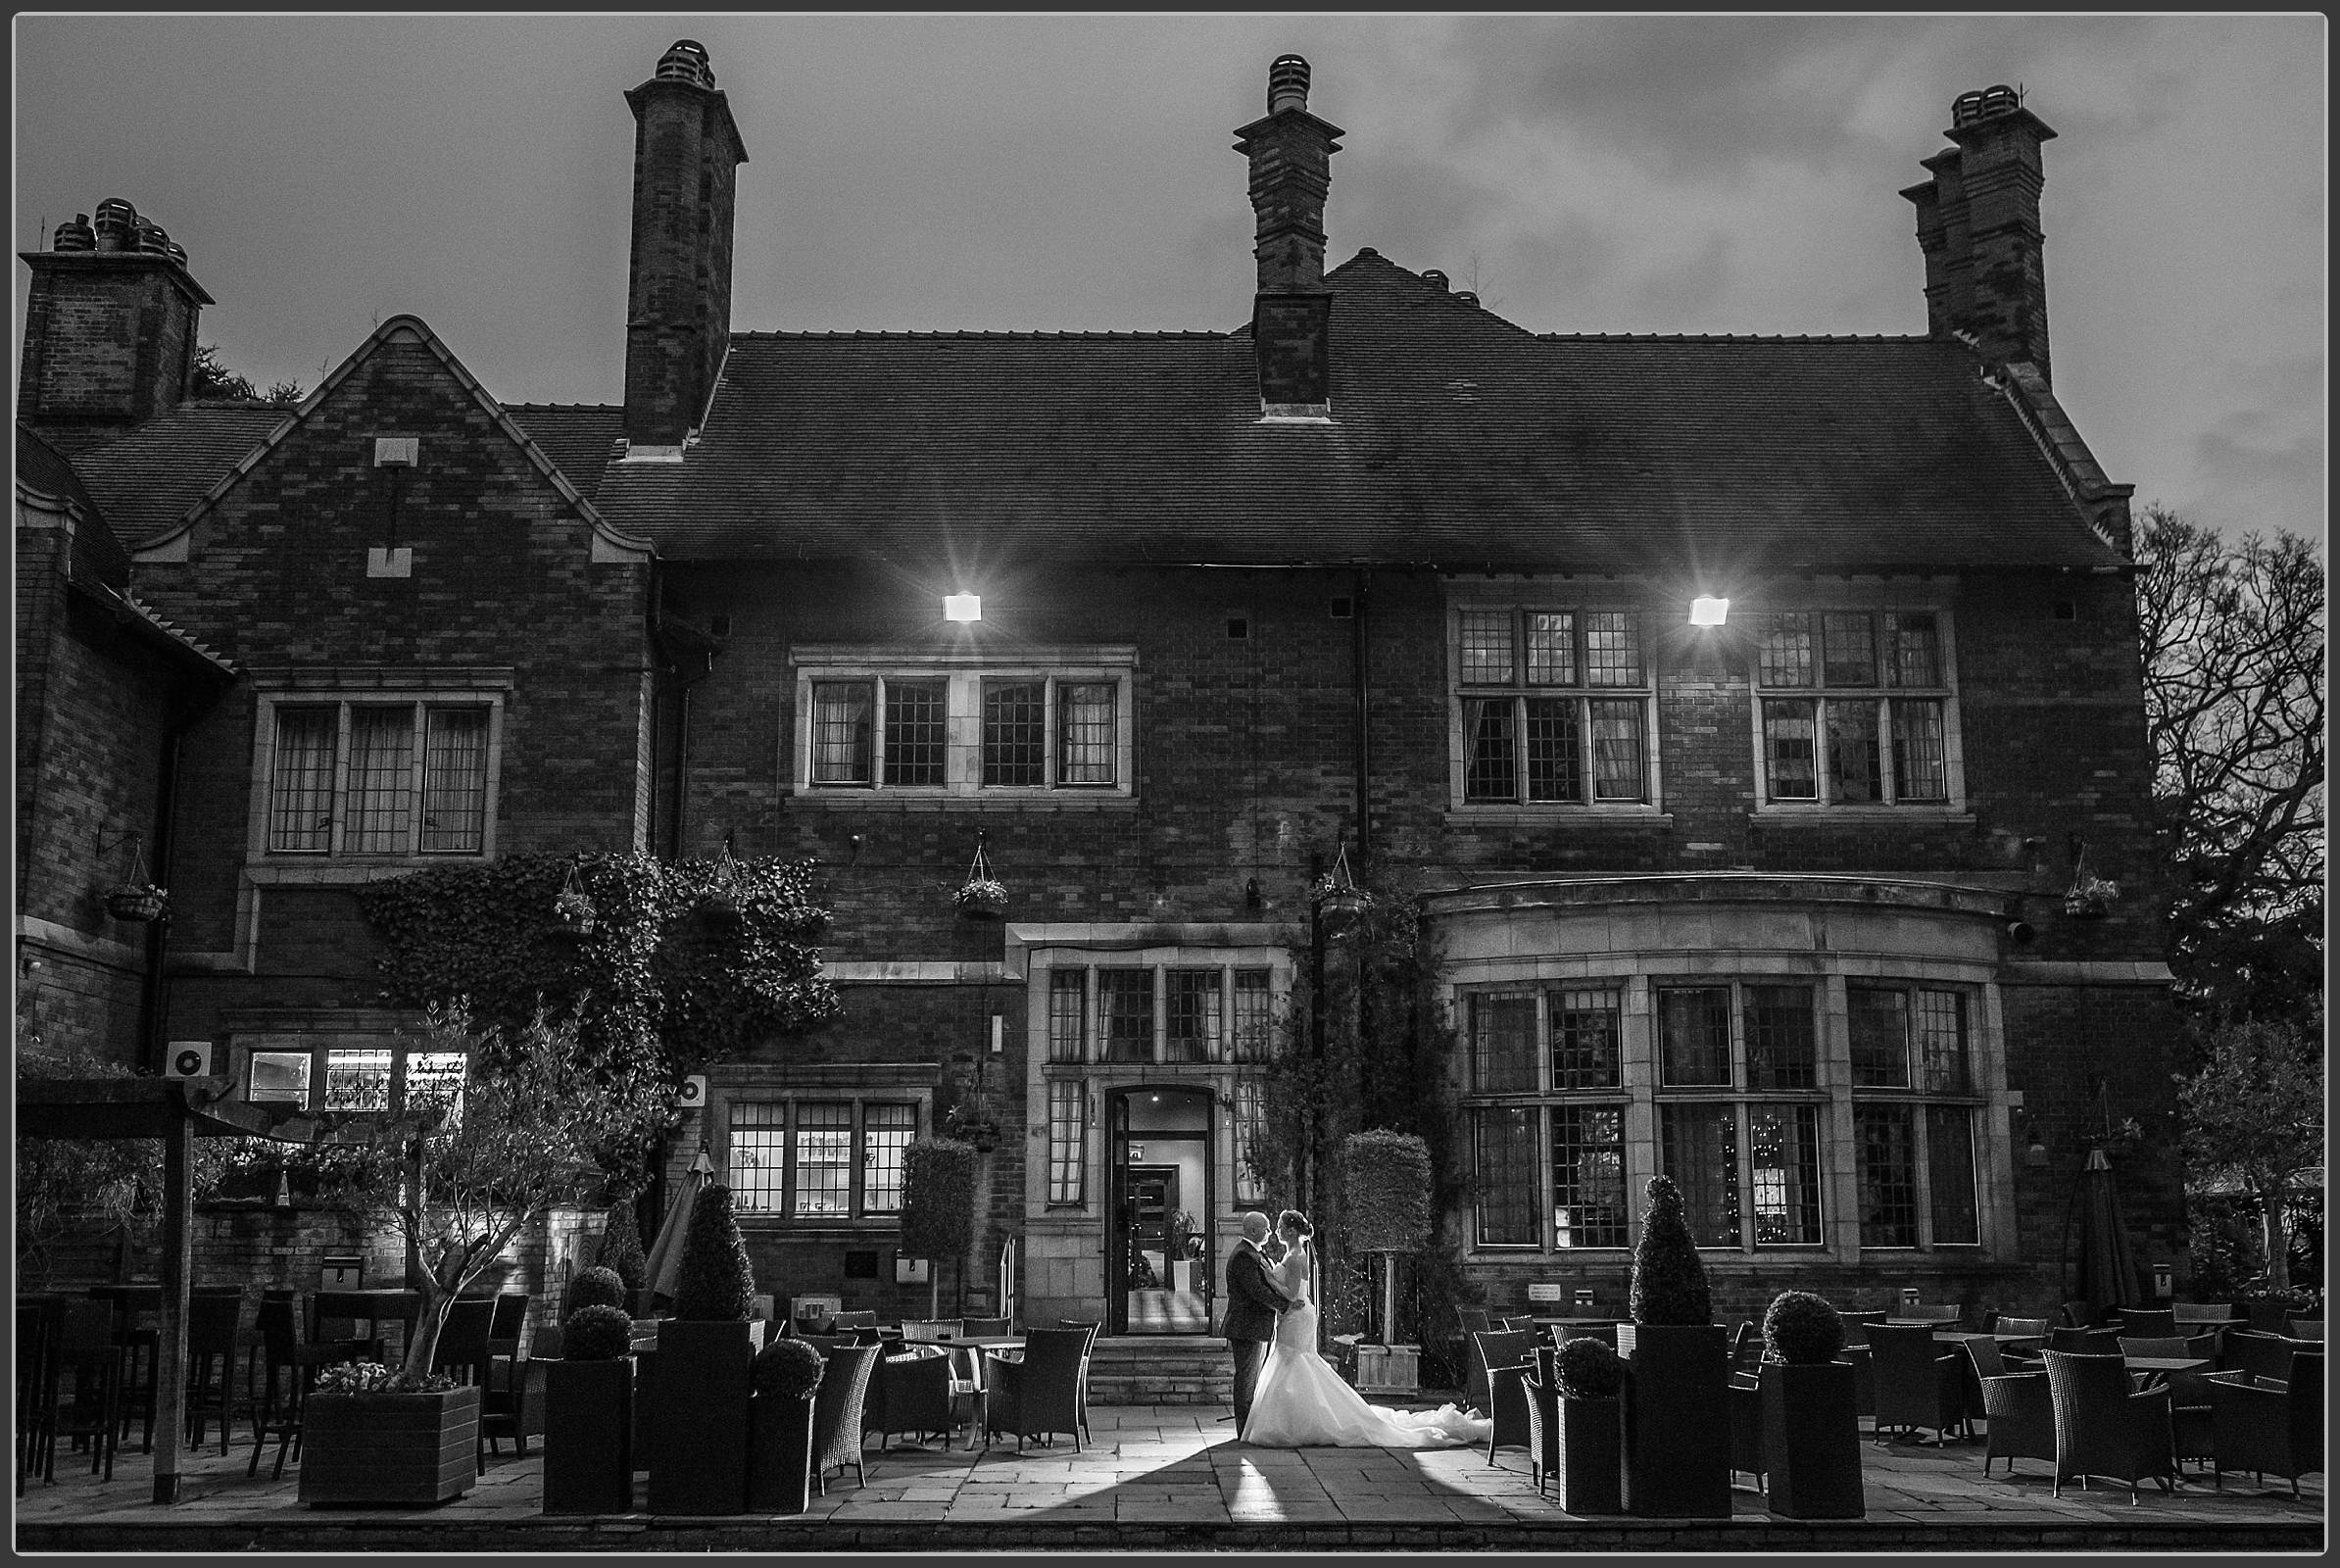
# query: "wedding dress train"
{"type": "Point", "coordinates": [1301, 1403]}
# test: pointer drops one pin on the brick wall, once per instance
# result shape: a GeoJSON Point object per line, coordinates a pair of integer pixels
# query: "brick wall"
{"type": "Point", "coordinates": [109, 341]}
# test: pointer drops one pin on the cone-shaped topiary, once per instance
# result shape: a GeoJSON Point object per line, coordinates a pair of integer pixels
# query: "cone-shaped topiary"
{"type": "Point", "coordinates": [789, 1369]}
{"type": "Point", "coordinates": [1801, 1329]}
{"type": "Point", "coordinates": [621, 1247]}
{"type": "Point", "coordinates": [714, 1284]}
{"type": "Point", "coordinates": [592, 1287]}
{"type": "Point", "coordinates": [1669, 1281]}
{"type": "Point", "coordinates": [595, 1334]}
{"type": "Point", "coordinates": [1588, 1369]}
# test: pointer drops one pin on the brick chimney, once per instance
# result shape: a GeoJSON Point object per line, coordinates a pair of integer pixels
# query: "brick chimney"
{"type": "Point", "coordinates": [1979, 228]}
{"type": "Point", "coordinates": [1291, 155]}
{"type": "Point", "coordinates": [687, 155]}
{"type": "Point", "coordinates": [109, 325]}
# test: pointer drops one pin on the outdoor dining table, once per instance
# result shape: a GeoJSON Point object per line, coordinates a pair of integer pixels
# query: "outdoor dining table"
{"type": "Point", "coordinates": [2153, 1370]}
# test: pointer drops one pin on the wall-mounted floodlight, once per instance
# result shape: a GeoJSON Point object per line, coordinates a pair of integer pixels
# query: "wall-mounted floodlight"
{"type": "Point", "coordinates": [1709, 612]}
{"type": "Point", "coordinates": [963, 606]}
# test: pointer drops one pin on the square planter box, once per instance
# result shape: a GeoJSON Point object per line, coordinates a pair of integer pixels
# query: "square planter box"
{"type": "Point", "coordinates": [1588, 1459]}
{"type": "Point", "coordinates": [589, 1415]}
{"type": "Point", "coordinates": [389, 1447]}
{"type": "Point", "coordinates": [1676, 1433]}
{"type": "Point", "coordinates": [699, 1419]}
{"type": "Point", "coordinates": [1812, 1442]}
{"type": "Point", "coordinates": [1389, 1369]}
{"type": "Point", "coordinates": [779, 1454]}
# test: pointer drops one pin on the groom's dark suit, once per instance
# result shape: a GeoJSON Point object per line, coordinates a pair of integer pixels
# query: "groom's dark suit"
{"type": "Point", "coordinates": [1253, 1305]}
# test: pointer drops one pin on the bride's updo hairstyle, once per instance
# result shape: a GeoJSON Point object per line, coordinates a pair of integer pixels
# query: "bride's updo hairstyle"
{"type": "Point", "coordinates": [1292, 1220]}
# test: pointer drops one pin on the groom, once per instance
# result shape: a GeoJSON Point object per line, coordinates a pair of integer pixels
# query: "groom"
{"type": "Point", "coordinates": [1253, 1305]}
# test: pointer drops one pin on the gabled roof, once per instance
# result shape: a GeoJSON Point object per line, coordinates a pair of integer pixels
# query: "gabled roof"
{"type": "Point", "coordinates": [147, 477]}
{"type": "Point", "coordinates": [1457, 439]}
{"type": "Point", "coordinates": [400, 329]}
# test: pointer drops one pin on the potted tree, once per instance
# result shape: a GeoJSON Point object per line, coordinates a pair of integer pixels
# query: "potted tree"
{"type": "Point", "coordinates": [589, 1413]}
{"type": "Point", "coordinates": [1678, 1367]}
{"type": "Point", "coordinates": [1810, 1429]}
{"type": "Point", "coordinates": [787, 1376]}
{"type": "Point", "coordinates": [937, 1208]}
{"type": "Point", "coordinates": [1385, 1182]}
{"type": "Point", "coordinates": [699, 1419]}
{"type": "Point", "coordinates": [456, 1165]}
{"type": "Point", "coordinates": [1588, 1420]}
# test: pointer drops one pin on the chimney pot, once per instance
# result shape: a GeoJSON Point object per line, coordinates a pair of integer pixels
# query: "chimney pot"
{"type": "Point", "coordinates": [685, 60]}
{"type": "Point", "coordinates": [77, 235]}
{"type": "Point", "coordinates": [1466, 296]}
{"type": "Point", "coordinates": [1288, 85]}
{"type": "Point", "coordinates": [116, 224]}
{"type": "Point", "coordinates": [1431, 274]}
{"type": "Point", "coordinates": [1987, 104]}
{"type": "Point", "coordinates": [153, 240]}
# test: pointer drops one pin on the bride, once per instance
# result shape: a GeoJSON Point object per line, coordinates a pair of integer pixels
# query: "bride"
{"type": "Point", "coordinates": [1302, 1402]}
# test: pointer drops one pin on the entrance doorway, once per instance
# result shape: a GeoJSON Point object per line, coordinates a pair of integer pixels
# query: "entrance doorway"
{"type": "Point", "coordinates": [1159, 1211]}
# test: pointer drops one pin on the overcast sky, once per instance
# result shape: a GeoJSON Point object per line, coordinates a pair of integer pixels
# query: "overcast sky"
{"type": "Point", "coordinates": [1594, 175]}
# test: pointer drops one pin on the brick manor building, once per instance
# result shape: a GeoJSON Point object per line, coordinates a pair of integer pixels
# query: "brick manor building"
{"type": "Point", "coordinates": [1776, 905]}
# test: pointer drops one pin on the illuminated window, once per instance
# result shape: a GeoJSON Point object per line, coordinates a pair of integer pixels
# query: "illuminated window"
{"type": "Point", "coordinates": [756, 1163]}
{"type": "Point", "coordinates": [824, 1159]}
{"type": "Point", "coordinates": [1589, 1206]}
{"type": "Point", "coordinates": [1784, 1163]}
{"type": "Point", "coordinates": [886, 1131]}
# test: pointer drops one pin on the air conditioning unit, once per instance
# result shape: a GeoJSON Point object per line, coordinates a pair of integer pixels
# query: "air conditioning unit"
{"type": "Point", "coordinates": [693, 1092]}
{"type": "Point", "coordinates": [188, 1058]}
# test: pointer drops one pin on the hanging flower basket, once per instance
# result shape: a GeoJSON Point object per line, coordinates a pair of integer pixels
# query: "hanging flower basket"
{"type": "Point", "coordinates": [982, 896]}
{"type": "Point", "coordinates": [719, 906]}
{"type": "Point", "coordinates": [2090, 896]}
{"type": "Point", "coordinates": [573, 913]}
{"type": "Point", "coordinates": [139, 902]}
{"type": "Point", "coordinates": [1340, 902]}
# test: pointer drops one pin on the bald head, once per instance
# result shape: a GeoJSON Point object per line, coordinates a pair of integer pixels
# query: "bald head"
{"type": "Point", "coordinates": [1255, 1228]}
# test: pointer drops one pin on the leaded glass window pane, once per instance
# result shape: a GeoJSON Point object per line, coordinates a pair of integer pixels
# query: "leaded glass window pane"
{"type": "Point", "coordinates": [915, 731]}
{"type": "Point", "coordinates": [1503, 1044]}
{"type": "Point", "coordinates": [1784, 1157]}
{"type": "Point", "coordinates": [1612, 649]}
{"type": "Point", "coordinates": [1782, 1046]}
{"type": "Point", "coordinates": [824, 1162]}
{"type": "Point", "coordinates": [886, 1131]}
{"type": "Point", "coordinates": [1068, 1136]}
{"type": "Point", "coordinates": [381, 788]}
{"type": "Point", "coordinates": [1086, 713]}
{"type": "Point", "coordinates": [1878, 1022]}
{"type": "Point", "coordinates": [1014, 733]}
{"type": "Point", "coordinates": [1486, 651]}
{"type": "Point", "coordinates": [1551, 648]}
{"type": "Point", "coordinates": [840, 732]}
{"type": "Point", "coordinates": [1694, 1035]}
{"type": "Point", "coordinates": [1848, 649]}
{"type": "Point", "coordinates": [756, 1162]}
{"type": "Point", "coordinates": [1617, 772]}
{"type": "Point", "coordinates": [454, 780]}
{"type": "Point", "coordinates": [1503, 1142]}
{"type": "Point", "coordinates": [1191, 1020]}
{"type": "Point", "coordinates": [1251, 1179]}
{"type": "Point", "coordinates": [1555, 752]}
{"type": "Point", "coordinates": [358, 1079]}
{"type": "Point", "coordinates": [1917, 650]}
{"type": "Point", "coordinates": [1586, 1031]}
{"type": "Point", "coordinates": [1791, 750]}
{"type": "Point", "coordinates": [1491, 755]}
{"type": "Point", "coordinates": [301, 783]}
{"type": "Point", "coordinates": [1701, 1155]}
{"type": "Point", "coordinates": [1125, 1013]}
{"type": "Point", "coordinates": [1068, 997]}
{"type": "Point", "coordinates": [1588, 1207]}
{"type": "Point", "coordinates": [1921, 760]}
{"type": "Point", "coordinates": [1885, 1165]}
{"type": "Point", "coordinates": [1941, 1020]}
{"type": "Point", "coordinates": [1854, 768]}
{"type": "Point", "coordinates": [1787, 651]}
{"type": "Point", "coordinates": [1254, 1016]}
{"type": "Point", "coordinates": [1950, 1175]}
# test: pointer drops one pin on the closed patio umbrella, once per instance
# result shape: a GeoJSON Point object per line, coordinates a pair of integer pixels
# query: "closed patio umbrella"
{"type": "Point", "coordinates": [2107, 1274]}
{"type": "Point", "coordinates": [664, 1269]}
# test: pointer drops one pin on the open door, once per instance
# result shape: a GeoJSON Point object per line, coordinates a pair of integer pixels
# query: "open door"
{"type": "Point", "coordinates": [1158, 1202]}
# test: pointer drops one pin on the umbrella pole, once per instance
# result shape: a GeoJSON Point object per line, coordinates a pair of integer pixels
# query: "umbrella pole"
{"type": "Point", "coordinates": [170, 1355]}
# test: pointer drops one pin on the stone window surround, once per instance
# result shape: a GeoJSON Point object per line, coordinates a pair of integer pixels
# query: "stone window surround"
{"type": "Point", "coordinates": [1523, 593]}
{"type": "Point", "coordinates": [890, 1083]}
{"type": "Point", "coordinates": [965, 673]}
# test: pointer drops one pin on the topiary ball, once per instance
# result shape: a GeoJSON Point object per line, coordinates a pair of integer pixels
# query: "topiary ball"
{"type": "Point", "coordinates": [789, 1369]}
{"type": "Point", "coordinates": [596, 1334]}
{"type": "Point", "coordinates": [1669, 1281]}
{"type": "Point", "coordinates": [1588, 1369]}
{"type": "Point", "coordinates": [1802, 1329]}
{"type": "Point", "coordinates": [595, 1287]}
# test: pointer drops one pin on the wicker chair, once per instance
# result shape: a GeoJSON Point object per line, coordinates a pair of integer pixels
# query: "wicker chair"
{"type": "Point", "coordinates": [1543, 1429]}
{"type": "Point", "coordinates": [2103, 1428]}
{"type": "Point", "coordinates": [1041, 1395]}
{"type": "Point", "coordinates": [929, 1329]}
{"type": "Point", "coordinates": [2018, 1415]}
{"type": "Point", "coordinates": [1919, 1384]}
{"type": "Point", "coordinates": [910, 1394]}
{"type": "Point", "coordinates": [1746, 1348]}
{"type": "Point", "coordinates": [1507, 1391]}
{"type": "Point", "coordinates": [837, 1413]}
{"type": "Point", "coordinates": [2079, 1315]}
{"type": "Point", "coordinates": [1856, 1324]}
{"type": "Point", "coordinates": [2148, 1322]}
{"type": "Point", "coordinates": [1088, 1351]}
{"type": "Point", "coordinates": [1927, 1314]}
{"type": "Point", "coordinates": [2308, 1328]}
{"type": "Point", "coordinates": [2259, 1426]}
{"type": "Point", "coordinates": [987, 1328]}
{"type": "Point", "coordinates": [2264, 1356]}
{"type": "Point", "coordinates": [1489, 1350]}
{"type": "Point", "coordinates": [2085, 1342]}
{"type": "Point", "coordinates": [2267, 1317]}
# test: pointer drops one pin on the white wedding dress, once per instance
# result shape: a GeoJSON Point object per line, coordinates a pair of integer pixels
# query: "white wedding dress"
{"type": "Point", "coordinates": [1301, 1403]}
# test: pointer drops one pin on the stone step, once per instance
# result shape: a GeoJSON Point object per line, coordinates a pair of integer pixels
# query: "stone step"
{"type": "Point", "coordinates": [1156, 1369]}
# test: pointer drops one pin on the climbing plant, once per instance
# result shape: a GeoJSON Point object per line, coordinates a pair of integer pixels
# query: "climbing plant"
{"type": "Point", "coordinates": [1365, 1045]}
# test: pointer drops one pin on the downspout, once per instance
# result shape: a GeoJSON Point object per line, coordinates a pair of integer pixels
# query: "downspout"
{"type": "Point", "coordinates": [682, 751]}
{"type": "Point", "coordinates": [1361, 634]}
{"type": "Point", "coordinates": [153, 1020]}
